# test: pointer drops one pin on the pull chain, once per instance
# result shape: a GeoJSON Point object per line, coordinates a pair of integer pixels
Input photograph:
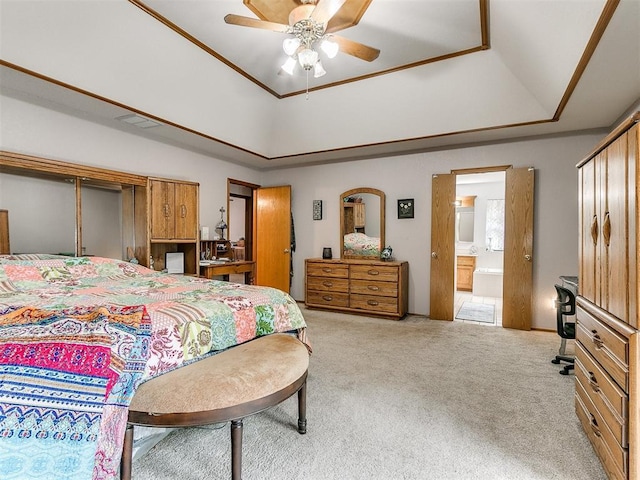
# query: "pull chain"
{"type": "Point", "coordinates": [307, 97]}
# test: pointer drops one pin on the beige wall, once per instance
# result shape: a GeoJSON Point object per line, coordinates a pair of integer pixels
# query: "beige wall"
{"type": "Point", "coordinates": [556, 214]}
{"type": "Point", "coordinates": [36, 130]}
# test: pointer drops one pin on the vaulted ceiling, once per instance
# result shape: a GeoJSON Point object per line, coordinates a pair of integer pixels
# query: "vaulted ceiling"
{"type": "Point", "coordinates": [448, 73]}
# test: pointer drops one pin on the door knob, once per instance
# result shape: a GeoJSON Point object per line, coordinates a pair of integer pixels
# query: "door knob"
{"type": "Point", "coordinates": [434, 255]}
{"type": "Point", "coordinates": [527, 258]}
{"type": "Point", "coordinates": [286, 250]}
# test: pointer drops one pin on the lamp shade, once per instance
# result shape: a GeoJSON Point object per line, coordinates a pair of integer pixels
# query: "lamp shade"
{"type": "Point", "coordinates": [307, 58]}
{"type": "Point", "coordinates": [330, 48]}
{"type": "Point", "coordinates": [289, 65]}
{"type": "Point", "coordinates": [318, 70]}
{"type": "Point", "coordinates": [290, 45]}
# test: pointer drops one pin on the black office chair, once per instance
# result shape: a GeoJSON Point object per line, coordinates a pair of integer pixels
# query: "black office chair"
{"type": "Point", "coordinates": [565, 306]}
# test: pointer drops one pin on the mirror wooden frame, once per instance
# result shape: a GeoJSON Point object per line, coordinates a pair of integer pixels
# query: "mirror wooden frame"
{"type": "Point", "coordinates": [356, 191]}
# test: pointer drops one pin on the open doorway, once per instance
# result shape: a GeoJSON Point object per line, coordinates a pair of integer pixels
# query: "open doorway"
{"type": "Point", "coordinates": [479, 247]}
{"type": "Point", "coordinates": [517, 294]}
{"type": "Point", "coordinates": [240, 222]}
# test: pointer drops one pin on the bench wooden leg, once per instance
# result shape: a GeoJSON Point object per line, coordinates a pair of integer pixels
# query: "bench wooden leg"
{"type": "Point", "coordinates": [127, 454]}
{"type": "Point", "coordinates": [236, 449]}
{"type": "Point", "coordinates": [302, 408]}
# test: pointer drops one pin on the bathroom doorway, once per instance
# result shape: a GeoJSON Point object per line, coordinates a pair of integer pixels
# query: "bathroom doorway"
{"type": "Point", "coordinates": [517, 294]}
{"type": "Point", "coordinates": [479, 247]}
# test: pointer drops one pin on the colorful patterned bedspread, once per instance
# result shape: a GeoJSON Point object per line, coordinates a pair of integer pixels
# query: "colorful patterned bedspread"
{"type": "Point", "coordinates": [77, 335]}
{"type": "Point", "coordinates": [361, 244]}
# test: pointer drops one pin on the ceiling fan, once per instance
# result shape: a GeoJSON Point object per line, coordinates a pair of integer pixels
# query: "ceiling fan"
{"type": "Point", "coordinates": [308, 25]}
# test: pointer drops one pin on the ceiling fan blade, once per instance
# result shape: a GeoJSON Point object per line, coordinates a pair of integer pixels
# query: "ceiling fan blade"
{"type": "Point", "coordinates": [232, 19]}
{"type": "Point", "coordinates": [325, 9]}
{"type": "Point", "coordinates": [355, 49]}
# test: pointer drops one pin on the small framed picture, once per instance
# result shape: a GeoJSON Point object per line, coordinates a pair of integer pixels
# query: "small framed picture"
{"type": "Point", "coordinates": [174, 262]}
{"type": "Point", "coordinates": [317, 209]}
{"type": "Point", "coordinates": [405, 208]}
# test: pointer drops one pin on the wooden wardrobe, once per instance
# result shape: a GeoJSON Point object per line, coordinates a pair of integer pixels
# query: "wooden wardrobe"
{"type": "Point", "coordinates": [607, 350]}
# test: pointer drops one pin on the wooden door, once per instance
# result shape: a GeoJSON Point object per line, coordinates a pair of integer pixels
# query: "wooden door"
{"type": "Point", "coordinates": [442, 246]}
{"type": "Point", "coordinates": [186, 211]}
{"type": "Point", "coordinates": [5, 249]}
{"type": "Point", "coordinates": [518, 249]}
{"type": "Point", "coordinates": [588, 227]}
{"type": "Point", "coordinates": [272, 245]}
{"type": "Point", "coordinates": [614, 231]}
{"type": "Point", "coordinates": [162, 209]}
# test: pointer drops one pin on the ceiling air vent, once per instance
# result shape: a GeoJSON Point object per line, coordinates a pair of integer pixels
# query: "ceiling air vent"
{"type": "Point", "coordinates": [138, 121]}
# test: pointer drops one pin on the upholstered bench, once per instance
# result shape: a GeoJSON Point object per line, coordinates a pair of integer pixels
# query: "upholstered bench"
{"type": "Point", "coordinates": [228, 386]}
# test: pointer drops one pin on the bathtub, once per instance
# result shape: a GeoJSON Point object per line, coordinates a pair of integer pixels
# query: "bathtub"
{"type": "Point", "coordinates": [487, 282]}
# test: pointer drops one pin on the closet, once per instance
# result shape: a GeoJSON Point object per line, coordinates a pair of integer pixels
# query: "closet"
{"type": "Point", "coordinates": [156, 216]}
{"type": "Point", "coordinates": [607, 351]}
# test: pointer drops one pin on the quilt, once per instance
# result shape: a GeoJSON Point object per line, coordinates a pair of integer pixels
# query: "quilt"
{"type": "Point", "coordinates": [361, 244]}
{"type": "Point", "coordinates": [77, 335]}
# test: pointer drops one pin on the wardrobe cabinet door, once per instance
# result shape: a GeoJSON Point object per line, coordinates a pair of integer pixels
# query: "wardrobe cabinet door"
{"type": "Point", "coordinates": [589, 225]}
{"type": "Point", "coordinates": [614, 213]}
{"type": "Point", "coordinates": [162, 209]}
{"type": "Point", "coordinates": [186, 211]}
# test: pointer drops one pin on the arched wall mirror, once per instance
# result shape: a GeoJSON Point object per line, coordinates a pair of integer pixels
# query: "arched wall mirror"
{"type": "Point", "coordinates": [362, 218]}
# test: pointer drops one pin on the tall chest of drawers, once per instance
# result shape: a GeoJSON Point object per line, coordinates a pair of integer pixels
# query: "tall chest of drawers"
{"type": "Point", "coordinates": [358, 286]}
{"type": "Point", "coordinates": [607, 350]}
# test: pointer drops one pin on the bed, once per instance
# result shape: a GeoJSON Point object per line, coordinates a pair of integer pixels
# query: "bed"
{"type": "Point", "coordinates": [359, 244]}
{"type": "Point", "coordinates": [79, 334]}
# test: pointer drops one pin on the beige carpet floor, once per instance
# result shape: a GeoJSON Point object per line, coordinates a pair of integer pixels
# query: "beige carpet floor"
{"type": "Point", "coordinates": [410, 399]}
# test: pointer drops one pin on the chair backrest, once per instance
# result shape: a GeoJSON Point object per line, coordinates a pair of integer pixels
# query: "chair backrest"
{"type": "Point", "coordinates": [565, 306]}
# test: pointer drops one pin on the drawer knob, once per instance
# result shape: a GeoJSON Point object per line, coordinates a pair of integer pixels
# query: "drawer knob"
{"type": "Point", "coordinates": [373, 288]}
{"type": "Point", "coordinates": [373, 272]}
{"type": "Point", "coordinates": [596, 339]}
{"type": "Point", "coordinates": [593, 382]}
{"type": "Point", "coordinates": [327, 284]}
{"type": "Point", "coordinates": [373, 303]}
{"type": "Point", "coordinates": [326, 269]}
{"type": "Point", "coordinates": [594, 426]}
{"type": "Point", "coordinates": [327, 298]}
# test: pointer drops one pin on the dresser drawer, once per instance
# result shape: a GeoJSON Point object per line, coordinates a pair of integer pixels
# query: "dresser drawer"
{"type": "Point", "coordinates": [614, 458]}
{"type": "Point", "coordinates": [327, 284]}
{"type": "Point", "coordinates": [327, 270]}
{"type": "Point", "coordinates": [380, 273]}
{"type": "Point", "coordinates": [328, 299]}
{"type": "Point", "coordinates": [610, 401]}
{"type": "Point", "coordinates": [367, 287]}
{"type": "Point", "coordinates": [609, 348]}
{"type": "Point", "coordinates": [466, 261]}
{"type": "Point", "coordinates": [374, 303]}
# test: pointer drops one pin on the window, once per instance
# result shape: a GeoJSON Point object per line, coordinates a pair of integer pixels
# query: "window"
{"type": "Point", "coordinates": [495, 225]}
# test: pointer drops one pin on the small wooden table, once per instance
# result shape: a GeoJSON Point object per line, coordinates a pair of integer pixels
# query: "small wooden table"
{"type": "Point", "coordinates": [225, 269]}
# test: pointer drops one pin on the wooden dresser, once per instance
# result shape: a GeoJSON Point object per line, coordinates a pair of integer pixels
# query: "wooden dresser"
{"type": "Point", "coordinates": [358, 286]}
{"type": "Point", "coordinates": [607, 351]}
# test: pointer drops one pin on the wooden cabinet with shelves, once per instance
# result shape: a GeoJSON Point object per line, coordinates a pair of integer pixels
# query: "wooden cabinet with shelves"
{"type": "Point", "coordinates": [173, 222]}
{"type": "Point", "coordinates": [465, 266]}
{"type": "Point", "coordinates": [358, 286]}
{"type": "Point", "coordinates": [607, 352]}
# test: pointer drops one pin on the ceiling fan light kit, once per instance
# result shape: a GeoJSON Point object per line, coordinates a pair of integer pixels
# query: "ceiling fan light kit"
{"type": "Point", "coordinates": [308, 24]}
